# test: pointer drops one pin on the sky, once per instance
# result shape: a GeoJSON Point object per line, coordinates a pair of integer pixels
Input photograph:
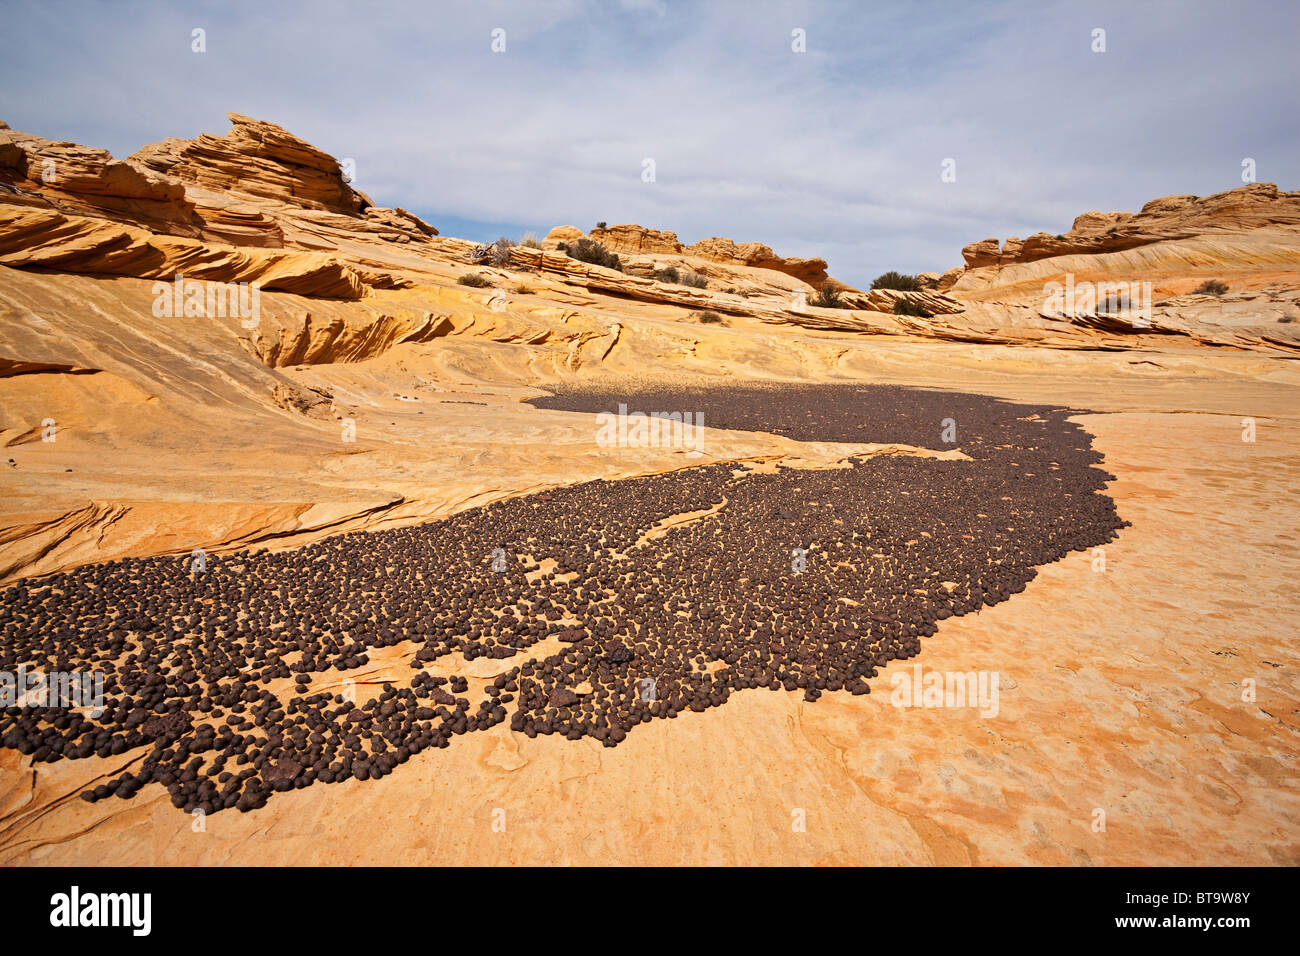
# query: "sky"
{"type": "Point", "coordinates": [837, 150]}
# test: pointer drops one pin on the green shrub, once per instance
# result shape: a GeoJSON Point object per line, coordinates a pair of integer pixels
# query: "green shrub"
{"type": "Point", "coordinates": [905, 306]}
{"type": "Point", "coordinates": [673, 274]}
{"type": "Point", "coordinates": [706, 317]}
{"type": "Point", "coordinates": [898, 281]}
{"type": "Point", "coordinates": [588, 250]}
{"type": "Point", "coordinates": [828, 297]}
{"type": "Point", "coordinates": [1212, 287]}
{"type": "Point", "coordinates": [475, 280]}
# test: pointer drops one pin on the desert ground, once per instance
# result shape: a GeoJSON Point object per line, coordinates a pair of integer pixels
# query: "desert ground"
{"type": "Point", "coordinates": [1149, 691]}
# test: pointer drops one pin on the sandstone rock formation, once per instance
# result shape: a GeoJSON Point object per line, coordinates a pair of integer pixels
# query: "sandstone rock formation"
{"type": "Point", "coordinates": [261, 205]}
{"type": "Point", "coordinates": [258, 185]}
{"type": "Point", "coordinates": [564, 234]}
{"type": "Point", "coordinates": [45, 239]}
{"type": "Point", "coordinates": [949, 279]}
{"type": "Point", "coordinates": [41, 172]}
{"type": "Point", "coordinates": [759, 256]}
{"type": "Point", "coordinates": [259, 160]}
{"type": "Point", "coordinates": [884, 300]}
{"type": "Point", "coordinates": [1247, 238]}
{"type": "Point", "coordinates": [1254, 211]}
{"type": "Point", "coordinates": [630, 237]}
{"type": "Point", "coordinates": [634, 239]}
{"type": "Point", "coordinates": [375, 392]}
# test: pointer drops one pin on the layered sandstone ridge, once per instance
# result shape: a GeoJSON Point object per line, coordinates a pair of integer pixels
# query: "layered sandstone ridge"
{"type": "Point", "coordinates": [259, 160]}
{"type": "Point", "coordinates": [632, 238]}
{"type": "Point", "coordinates": [1243, 244]}
{"type": "Point", "coordinates": [40, 172]}
{"type": "Point", "coordinates": [45, 239]}
{"type": "Point", "coordinates": [1254, 229]}
{"type": "Point", "coordinates": [759, 256]}
{"type": "Point", "coordinates": [260, 204]}
{"type": "Point", "coordinates": [258, 185]}
{"type": "Point", "coordinates": [374, 391]}
{"type": "Point", "coordinates": [1235, 212]}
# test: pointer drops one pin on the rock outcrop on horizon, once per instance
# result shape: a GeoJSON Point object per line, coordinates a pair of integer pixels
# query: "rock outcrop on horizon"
{"type": "Point", "coordinates": [258, 185]}
{"type": "Point", "coordinates": [629, 237]}
{"type": "Point", "coordinates": [1237, 211]}
{"type": "Point", "coordinates": [759, 256]}
{"type": "Point", "coordinates": [632, 238]}
{"type": "Point", "coordinates": [258, 160]}
{"type": "Point", "coordinates": [363, 316]}
{"type": "Point", "coordinates": [1244, 244]}
{"type": "Point", "coordinates": [383, 381]}
{"type": "Point", "coordinates": [1253, 227]}
{"type": "Point", "coordinates": [208, 205]}
{"type": "Point", "coordinates": [42, 172]}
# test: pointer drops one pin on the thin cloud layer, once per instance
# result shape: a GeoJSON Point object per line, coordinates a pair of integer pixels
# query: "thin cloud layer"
{"type": "Point", "coordinates": [835, 152]}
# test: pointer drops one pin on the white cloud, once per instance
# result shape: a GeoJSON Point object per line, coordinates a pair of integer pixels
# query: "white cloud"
{"type": "Point", "coordinates": [833, 152]}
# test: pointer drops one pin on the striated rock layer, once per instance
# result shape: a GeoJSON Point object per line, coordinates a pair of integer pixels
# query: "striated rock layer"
{"type": "Point", "coordinates": [374, 393]}
{"type": "Point", "coordinates": [1240, 211]}
{"type": "Point", "coordinates": [258, 185]}
{"type": "Point", "coordinates": [1248, 238]}
{"type": "Point", "coordinates": [915, 519]}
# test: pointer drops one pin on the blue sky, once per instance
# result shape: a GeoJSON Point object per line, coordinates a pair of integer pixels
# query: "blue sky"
{"type": "Point", "coordinates": [833, 152]}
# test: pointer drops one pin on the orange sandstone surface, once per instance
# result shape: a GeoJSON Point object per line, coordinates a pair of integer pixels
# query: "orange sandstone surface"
{"type": "Point", "coordinates": [1157, 691]}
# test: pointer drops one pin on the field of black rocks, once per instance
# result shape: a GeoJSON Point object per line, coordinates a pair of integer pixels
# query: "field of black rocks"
{"type": "Point", "coordinates": [212, 676]}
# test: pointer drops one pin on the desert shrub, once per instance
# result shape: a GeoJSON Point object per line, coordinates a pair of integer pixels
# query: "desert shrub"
{"type": "Point", "coordinates": [494, 253]}
{"type": "Point", "coordinates": [500, 252]}
{"type": "Point", "coordinates": [600, 225]}
{"type": "Point", "coordinates": [905, 306]}
{"type": "Point", "coordinates": [898, 281]}
{"type": "Point", "coordinates": [731, 291]}
{"type": "Point", "coordinates": [475, 280]}
{"type": "Point", "coordinates": [673, 274]}
{"type": "Point", "coordinates": [1212, 287]}
{"type": "Point", "coordinates": [828, 297]}
{"type": "Point", "coordinates": [588, 250]}
{"type": "Point", "coordinates": [522, 289]}
{"type": "Point", "coordinates": [707, 317]}
{"type": "Point", "coordinates": [530, 241]}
